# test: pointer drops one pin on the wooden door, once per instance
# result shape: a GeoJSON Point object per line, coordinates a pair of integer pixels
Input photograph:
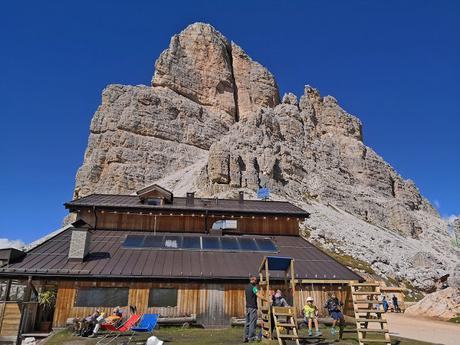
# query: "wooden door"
{"type": "Point", "coordinates": [214, 311]}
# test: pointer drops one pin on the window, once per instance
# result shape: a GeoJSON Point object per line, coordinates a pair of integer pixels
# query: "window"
{"type": "Point", "coordinates": [163, 298]}
{"type": "Point", "coordinates": [101, 297]}
{"type": "Point", "coordinates": [3, 287]}
{"type": "Point", "coordinates": [225, 224]}
{"type": "Point", "coordinates": [17, 291]}
{"type": "Point", "coordinates": [154, 201]}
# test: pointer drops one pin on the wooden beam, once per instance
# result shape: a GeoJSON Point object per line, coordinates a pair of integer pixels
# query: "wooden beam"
{"type": "Point", "coordinates": [324, 281]}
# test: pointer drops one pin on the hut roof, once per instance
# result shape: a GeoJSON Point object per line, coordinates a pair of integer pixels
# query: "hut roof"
{"type": "Point", "coordinates": [199, 205]}
{"type": "Point", "coordinates": [110, 258]}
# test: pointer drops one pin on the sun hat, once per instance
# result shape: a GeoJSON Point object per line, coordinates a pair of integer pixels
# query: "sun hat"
{"type": "Point", "coordinates": [309, 299]}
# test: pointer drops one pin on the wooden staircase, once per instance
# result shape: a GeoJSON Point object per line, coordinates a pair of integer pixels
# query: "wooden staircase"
{"type": "Point", "coordinates": [286, 318]}
{"type": "Point", "coordinates": [365, 297]}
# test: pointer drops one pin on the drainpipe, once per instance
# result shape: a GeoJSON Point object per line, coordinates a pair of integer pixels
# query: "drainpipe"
{"type": "Point", "coordinates": [95, 217]}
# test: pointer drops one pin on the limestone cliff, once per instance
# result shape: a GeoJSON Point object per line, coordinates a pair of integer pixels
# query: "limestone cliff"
{"type": "Point", "coordinates": [212, 122]}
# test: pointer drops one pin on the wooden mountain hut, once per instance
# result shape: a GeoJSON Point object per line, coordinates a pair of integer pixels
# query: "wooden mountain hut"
{"type": "Point", "coordinates": [176, 256]}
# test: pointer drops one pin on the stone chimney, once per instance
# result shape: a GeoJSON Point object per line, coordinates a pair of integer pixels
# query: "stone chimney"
{"type": "Point", "coordinates": [190, 200]}
{"type": "Point", "coordinates": [79, 242]}
{"type": "Point", "coordinates": [241, 197]}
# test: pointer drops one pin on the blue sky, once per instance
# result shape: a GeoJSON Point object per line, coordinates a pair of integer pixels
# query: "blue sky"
{"type": "Point", "coordinates": [394, 64]}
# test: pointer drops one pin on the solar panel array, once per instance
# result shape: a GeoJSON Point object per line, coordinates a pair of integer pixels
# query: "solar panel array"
{"type": "Point", "coordinates": [201, 243]}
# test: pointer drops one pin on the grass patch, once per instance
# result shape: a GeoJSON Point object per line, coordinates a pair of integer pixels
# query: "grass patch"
{"type": "Point", "coordinates": [349, 260]}
{"type": "Point", "coordinates": [455, 319]}
{"type": "Point", "coordinates": [228, 336]}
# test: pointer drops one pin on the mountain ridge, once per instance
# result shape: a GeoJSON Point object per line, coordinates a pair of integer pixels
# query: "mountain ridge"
{"type": "Point", "coordinates": [216, 115]}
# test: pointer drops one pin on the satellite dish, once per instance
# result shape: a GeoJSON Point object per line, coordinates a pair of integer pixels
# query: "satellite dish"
{"type": "Point", "coordinates": [263, 193]}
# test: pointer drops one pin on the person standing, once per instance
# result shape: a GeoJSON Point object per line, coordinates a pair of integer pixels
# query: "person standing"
{"type": "Point", "coordinates": [385, 304]}
{"type": "Point", "coordinates": [250, 322]}
{"type": "Point", "coordinates": [396, 304]}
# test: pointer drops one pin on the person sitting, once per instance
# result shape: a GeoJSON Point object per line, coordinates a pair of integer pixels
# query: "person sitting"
{"type": "Point", "coordinates": [278, 300]}
{"type": "Point", "coordinates": [83, 326]}
{"type": "Point", "coordinates": [333, 306]}
{"type": "Point", "coordinates": [113, 319]}
{"type": "Point", "coordinates": [310, 313]}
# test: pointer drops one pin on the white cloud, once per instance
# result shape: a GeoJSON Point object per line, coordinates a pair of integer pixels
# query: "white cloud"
{"type": "Point", "coordinates": [451, 218]}
{"type": "Point", "coordinates": [437, 204]}
{"type": "Point", "coordinates": [6, 243]}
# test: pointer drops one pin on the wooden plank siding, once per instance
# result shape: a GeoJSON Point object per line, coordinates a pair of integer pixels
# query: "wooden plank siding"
{"type": "Point", "coordinates": [9, 324]}
{"type": "Point", "coordinates": [178, 222]}
{"type": "Point", "coordinates": [212, 303]}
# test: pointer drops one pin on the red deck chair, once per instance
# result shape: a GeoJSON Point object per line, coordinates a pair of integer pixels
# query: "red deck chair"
{"type": "Point", "coordinates": [125, 327]}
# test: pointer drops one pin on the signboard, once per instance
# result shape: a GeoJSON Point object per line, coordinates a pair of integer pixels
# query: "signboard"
{"type": "Point", "coordinates": [263, 193]}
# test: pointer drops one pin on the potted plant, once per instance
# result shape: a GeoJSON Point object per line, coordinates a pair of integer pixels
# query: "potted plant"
{"type": "Point", "coordinates": [46, 300]}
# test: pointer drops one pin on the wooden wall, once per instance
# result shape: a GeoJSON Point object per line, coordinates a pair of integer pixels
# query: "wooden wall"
{"type": "Point", "coordinates": [10, 315]}
{"type": "Point", "coordinates": [261, 225]}
{"type": "Point", "coordinates": [213, 303]}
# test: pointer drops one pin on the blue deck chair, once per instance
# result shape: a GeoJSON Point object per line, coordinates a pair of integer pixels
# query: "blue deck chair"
{"type": "Point", "coordinates": [146, 325]}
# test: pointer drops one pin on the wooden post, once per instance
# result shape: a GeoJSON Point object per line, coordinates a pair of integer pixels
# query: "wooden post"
{"type": "Point", "coordinates": [27, 294]}
{"type": "Point", "coordinates": [7, 290]}
{"type": "Point", "coordinates": [267, 296]}
{"type": "Point", "coordinates": [5, 298]}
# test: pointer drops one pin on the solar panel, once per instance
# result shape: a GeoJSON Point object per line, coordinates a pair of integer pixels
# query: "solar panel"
{"type": "Point", "coordinates": [266, 245]}
{"type": "Point", "coordinates": [191, 242]}
{"type": "Point", "coordinates": [173, 242]}
{"type": "Point", "coordinates": [201, 243]}
{"type": "Point", "coordinates": [230, 244]}
{"type": "Point", "coordinates": [248, 244]}
{"type": "Point", "coordinates": [134, 241]}
{"type": "Point", "coordinates": [153, 242]}
{"type": "Point", "coordinates": [211, 243]}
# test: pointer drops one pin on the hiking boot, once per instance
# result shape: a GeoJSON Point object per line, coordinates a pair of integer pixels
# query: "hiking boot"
{"type": "Point", "coordinates": [310, 332]}
{"type": "Point", "coordinates": [333, 331]}
{"type": "Point", "coordinates": [318, 333]}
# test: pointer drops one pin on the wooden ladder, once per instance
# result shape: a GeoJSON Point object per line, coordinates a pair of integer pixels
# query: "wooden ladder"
{"type": "Point", "coordinates": [365, 297]}
{"type": "Point", "coordinates": [286, 317]}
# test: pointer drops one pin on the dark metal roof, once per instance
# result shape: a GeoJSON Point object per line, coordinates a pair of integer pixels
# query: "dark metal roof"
{"type": "Point", "coordinates": [11, 254]}
{"type": "Point", "coordinates": [200, 204]}
{"type": "Point", "coordinates": [108, 259]}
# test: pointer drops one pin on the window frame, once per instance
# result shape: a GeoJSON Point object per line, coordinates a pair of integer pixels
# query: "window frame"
{"type": "Point", "coordinates": [103, 303]}
{"type": "Point", "coordinates": [151, 303]}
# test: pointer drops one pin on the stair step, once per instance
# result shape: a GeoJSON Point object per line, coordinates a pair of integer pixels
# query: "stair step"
{"type": "Point", "coordinates": [305, 337]}
{"type": "Point", "coordinates": [283, 314]}
{"type": "Point", "coordinates": [381, 341]}
{"type": "Point", "coordinates": [366, 284]}
{"type": "Point", "coordinates": [285, 324]}
{"type": "Point", "coordinates": [366, 293]}
{"type": "Point", "coordinates": [371, 320]}
{"type": "Point", "coordinates": [288, 336]}
{"type": "Point", "coordinates": [366, 330]}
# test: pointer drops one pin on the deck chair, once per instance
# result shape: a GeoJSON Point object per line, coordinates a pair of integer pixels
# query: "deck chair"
{"type": "Point", "coordinates": [146, 325]}
{"type": "Point", "coordinates": [117, 331]}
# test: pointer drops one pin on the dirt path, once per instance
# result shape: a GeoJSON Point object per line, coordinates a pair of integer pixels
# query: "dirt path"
{"type": "Point", "coordinates": [437, 332]}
